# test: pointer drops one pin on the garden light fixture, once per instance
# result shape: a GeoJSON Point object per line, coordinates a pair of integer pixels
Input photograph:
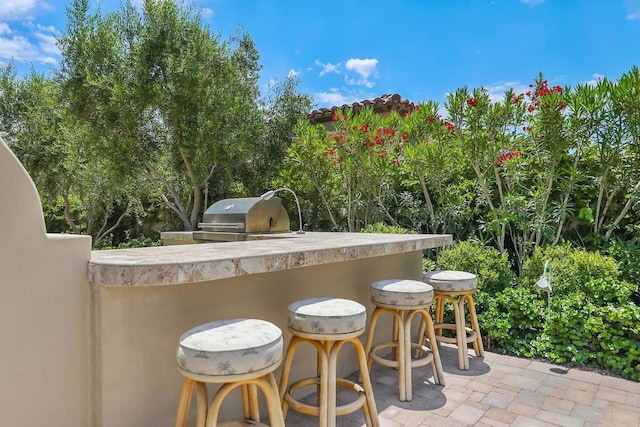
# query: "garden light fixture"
{"type": "Point", "coordinates": [269, 194]}
{"type": "Point", "coordinates": [544, 284]}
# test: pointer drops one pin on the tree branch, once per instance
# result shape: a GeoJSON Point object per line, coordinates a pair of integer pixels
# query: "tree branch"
{"type": "Point", "coordinates": [67, 214]}
{"type": "Point", "coordinates": [622, 214]}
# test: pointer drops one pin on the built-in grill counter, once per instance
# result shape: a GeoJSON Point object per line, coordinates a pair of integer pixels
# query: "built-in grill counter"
{"type": "Point", "coordinates": [231, 220]}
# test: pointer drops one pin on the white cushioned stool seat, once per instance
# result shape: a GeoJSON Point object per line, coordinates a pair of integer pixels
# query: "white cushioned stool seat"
{"type": "Point", "coordinates": [401, 292]}
{"type": "Point", "coordinates": [451, 281]}
{"type": "Point", "coordinates": [327, 316]}
{"type": "Point", "coordinates": [230, 347]}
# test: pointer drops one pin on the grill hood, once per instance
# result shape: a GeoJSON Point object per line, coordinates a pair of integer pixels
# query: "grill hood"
{"type": "Point", "coordinates": [240, 216]}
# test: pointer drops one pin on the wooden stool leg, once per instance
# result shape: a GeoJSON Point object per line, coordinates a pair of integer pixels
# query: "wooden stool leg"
{"type": "Point", "coordinates": [202, 403]}
{"type": "Point", "coordinates": [366, 383]}
{"type": "Point", "coordinates": [324, 418]}
{"type": "Point", "coordinates": [184, 402]}
{"type": "Point", "coordinates": [395, 337]}
{"type": "Point", "coordinates": [216, 402]}
{"type": "Point", "coordinates": [372, 329]}
{"type": "Point", "coordinates": [402, 365]}
{"type": "Point", "coordinates": [266, 383]}
{"type": "Point", "coordinates": [253, 399]}
{"type": "Point", "coordinates": [286, 371]}
{"type": "Point", "coordinates": [406, 344]}
{"type": "Point", "coordinates": [461, 334]}
{"type": "Point", "coordinates": [478, 345]}
{"type": "Point", "coordinates": [276, 418]}
{"type": "Point", "coordinates": [436, 363]}
{"type": "Point", "coordinates": [422, 337]}
{"type": "Point", "coordinates": [332, 383]}
{"type": "Point", "coordinates": [246, 403]}
{"type": "Point", "coordinates": [439, 311]}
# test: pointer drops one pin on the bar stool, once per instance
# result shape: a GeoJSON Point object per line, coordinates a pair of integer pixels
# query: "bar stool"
{"type": "Point", "coordinates": [235, 353]}
{"type": "Point", "coordinates": [456, 287]}
{"type": "Point", "coordinates": [327, 324]}
{"type": "Point", "coordinates": [403, 299]}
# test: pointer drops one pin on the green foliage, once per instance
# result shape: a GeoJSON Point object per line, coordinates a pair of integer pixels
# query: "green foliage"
{"type": "Point", "coordinates": [593, 320]}
{"type": "Point", "coordinates": [163, 97]}
{"type": "Point", "coordinates": [598, 327]}
{"type": "Point", "coordinates": [136, 242]}
{"type": "Point", "coordinates": [492, 269]}
{"type": "Point", "coordinates": [513, 319]}
{"type": "Point", "coordinates": [572, 268]}
{"type": "Point", "coordinates": [381, 227]}
{"type": "Point", "coordinates": [627, 254]}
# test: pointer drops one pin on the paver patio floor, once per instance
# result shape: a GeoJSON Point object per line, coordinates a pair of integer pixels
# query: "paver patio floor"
{"type": "Point", "coordinates": [498, 390]}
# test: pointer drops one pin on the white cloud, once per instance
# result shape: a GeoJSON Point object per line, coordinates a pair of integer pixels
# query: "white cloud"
{"type": "Point", "coordinates": [532, 2]}
{"type": "Point", "coordinates": [633, 9]}
{"type": "Point", "coordinates": [16, 9]}
{"type": "Point", "coordinates": [596, 79]}
{"type": "Point", "coordinates": [48, 44]}
{"type": "Point", "coordinates": [331, 99]}
{"type": "Point", "coordinates": [328, 68]}
{"type": "Point", "coordinates": [365, 68]}
{"type": "Point", "coordinates": [496, 91]}
{"type": "Point", "coordinates": [335, 98]}
{"type": "Point", "coordinates": [272, 82]}
{"type": "Point", "coordinates": [49, 28]}
{"type": "Point", "coordinates": [292, 74]}
{"type": "Point", "coordinates": [4, 28]}
{"type": "Point", "coordinates": [20, 49]}
{"type": "Point", "coordinates": [207, 12]}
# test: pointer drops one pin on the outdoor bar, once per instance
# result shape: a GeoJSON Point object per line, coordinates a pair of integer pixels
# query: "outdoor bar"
{"type": "Point", "coordinates": [147, 297]}
{"type": "Point", "coordinates": [89, 338]}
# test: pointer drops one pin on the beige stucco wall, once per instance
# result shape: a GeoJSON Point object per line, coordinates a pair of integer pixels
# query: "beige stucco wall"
{"type": "Point", "coordinates": [44, 311]}
{"type": "Point", "coordinates": [140, 327]}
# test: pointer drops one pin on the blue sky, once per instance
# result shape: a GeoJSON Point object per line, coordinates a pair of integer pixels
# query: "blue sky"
{"type": "Point", "coordinates": [348, 51]}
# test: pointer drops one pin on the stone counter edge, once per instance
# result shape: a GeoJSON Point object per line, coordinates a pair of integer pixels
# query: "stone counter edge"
{"type": "Point", "coordinates": [173, 265]}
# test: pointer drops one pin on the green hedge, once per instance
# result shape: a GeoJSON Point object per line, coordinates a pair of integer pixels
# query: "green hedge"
{"type": "Point", "coordinates": [593, 321]}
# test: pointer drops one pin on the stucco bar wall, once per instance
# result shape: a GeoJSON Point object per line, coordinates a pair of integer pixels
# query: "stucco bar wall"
{"type": "Point", "coordinates": [139, 320]}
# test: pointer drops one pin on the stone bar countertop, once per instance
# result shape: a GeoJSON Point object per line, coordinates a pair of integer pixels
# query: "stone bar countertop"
{"type": "Point", "coordinates": [172, 265]}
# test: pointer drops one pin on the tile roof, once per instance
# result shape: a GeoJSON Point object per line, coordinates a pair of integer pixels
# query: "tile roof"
{"type": "Point", "coordinates": [380, 105]}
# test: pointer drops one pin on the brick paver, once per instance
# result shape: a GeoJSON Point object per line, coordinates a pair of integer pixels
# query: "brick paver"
{"type": "Point", "coordinates": [499, 391]}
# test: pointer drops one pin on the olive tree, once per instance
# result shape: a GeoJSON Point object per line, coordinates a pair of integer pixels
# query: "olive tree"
{"type": "Point", "coordinates": [162, 96]}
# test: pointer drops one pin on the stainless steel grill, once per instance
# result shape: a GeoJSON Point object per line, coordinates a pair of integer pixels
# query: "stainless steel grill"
{"type": "Point", "coordinates": [234, 219]}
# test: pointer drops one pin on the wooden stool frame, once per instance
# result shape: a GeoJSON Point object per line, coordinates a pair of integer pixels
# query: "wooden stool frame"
{"type": "Point", "coordinates": [401, 345]}
{"type": "Point", "coordinates": [464, 335]}
{"type": "Point", "coordinates": [328, 347]}
{"type": "Point", "coordinates": [249, 384]}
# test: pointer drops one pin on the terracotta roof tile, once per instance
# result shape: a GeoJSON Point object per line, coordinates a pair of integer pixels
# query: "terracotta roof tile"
{"type": "Point", "coordinates": [382, 104]}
